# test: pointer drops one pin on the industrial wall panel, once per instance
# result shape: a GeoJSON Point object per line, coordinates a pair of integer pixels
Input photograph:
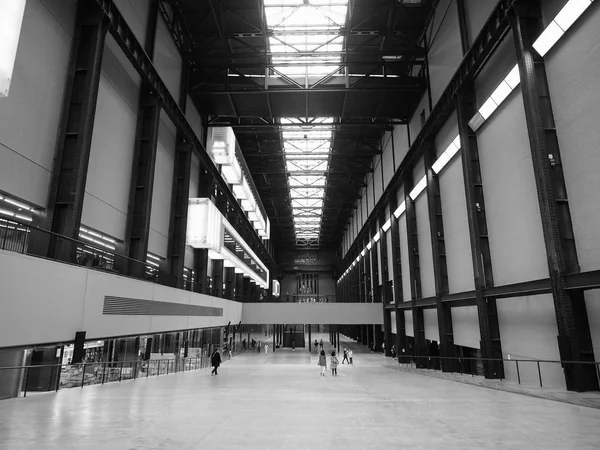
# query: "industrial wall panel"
{"type": "Point", "coordinates": [380, 271]}
{"type": "Point", "coordinates": [113, 140]}
{"type": "Point", "coordinates": [419, 172]}
{"type": "Point", "coordinates": [592, 301]}
{"type": "Point", "coordinates": [194, 118]}
{"type": "Point", "coordinates": [445, 52]}
{"type": "Point", "coordinates": [390, 258]}
{"type": "Point", "coordinates": [425, 249]}
{"type": "Point", "coordinates": [456, 228]}
{"type": "Point", "coordinates": [377, 177]}
{"type": "Point", "coordinates": [327, 286]}
{"type": "Point", "coordinates": [74, 298]}
{"type": "Point", "coordinates": [550, 9]}
{"type": "Point", "coordinates": [528, 331]}
{"type": "Point", "coordinates": [465, 326]}
{"type": "Point", "coordinates": [163, 185]}
{"type": "Point", "coordinates": [418, 118]}
{"type": "Point", "coordinates": [400, 143]}
{"type": "Point", "coordinates": [477, 12]}
{"type": "Point", "coordinates": [404, 257]}
{"type": "Point", "coordinates": [167, 59]}
{"type": "Point", "coordinates": [189, 257]}
{"type": "Point", "coordinates": [499, 65]}
{"type": "Point", "coordinates": [366, 205]}
{"type": "Point", "coordinates": [432, 331]}
{"type": "Point", "coordinates": [408, 323]}
{"type": "Point", "coordinates": [30, 115]}
{"type": "Point", "coordinates": [573, 68]}
{"type": "Point", "coordinates": [394, 325]}
{"type": "Point", "coordinates": [513, 217]}
{"type": "Point", "coordinates": [388, 160]}
{"type": "Point", "coordinates": [135, 13]}
{"type": "Point", "coordinates": [454, 213]}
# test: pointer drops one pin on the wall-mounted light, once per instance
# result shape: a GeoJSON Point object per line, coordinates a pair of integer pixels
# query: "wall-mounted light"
{"type": "Point", "coordinates": [386, 226]}
{"type": "Point", "coordinates": [11, 20]}
{"type": "Point", "coordinates": [400, 209]}
{"type": "Point", "coordinates": [420, 186]}
{"type": "Point", "coordinates": [376, 237]}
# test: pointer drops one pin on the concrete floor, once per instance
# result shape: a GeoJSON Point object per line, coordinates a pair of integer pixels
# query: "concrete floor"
{"type": "Point", "coordinates": [280, 401]}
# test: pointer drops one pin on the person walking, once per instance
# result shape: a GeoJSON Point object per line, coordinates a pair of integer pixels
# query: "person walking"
{"type": "Point", "coordinates": [259, 346]}
{"type": "Point", "coordinates": [350, 353]}
{"type": "Point", "coordinates": [215, 361]}
{"type": "Point", "coordinates": [334, 364]}
{"type": "Point", "coordinates": [322, 362]}
{"type": "Point", "coordinates": [266, 349]}
{"type": "Point", "coordinates": [321, 344]}
{"type": "Point", "coordinates": [383, 348]}
{"type": "Point", "coordinates": [345, 356]}
{"type": "Point", "coordinates": [316, 345]}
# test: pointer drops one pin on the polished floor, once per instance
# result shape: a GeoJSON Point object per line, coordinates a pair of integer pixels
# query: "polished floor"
{"type": "Point", "coordinates": [280, 401]}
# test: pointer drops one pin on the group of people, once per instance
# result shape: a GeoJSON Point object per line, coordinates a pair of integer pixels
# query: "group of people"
{"type": "Point", "coordinates": [333, 361]}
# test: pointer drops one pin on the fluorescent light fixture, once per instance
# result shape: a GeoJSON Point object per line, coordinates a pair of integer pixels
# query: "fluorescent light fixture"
{"type": "Point", "coordinates": [227, 263]}
{"type": "Point", "coordinates": [28, 219]}
{"type": "Point", "coordinates": [570, 13]}
{"type": "Point", "coordinates": [241, 191]}
{"type": "Point", "coordinates": [453, 148]}
{"type": "Point", "coordinates": [232, 172]}
{"type": "Point", "coordinates": [238, 270]}
{"type": "Point", "coordinates": [476, 122]}
{"type": "Point", "coordinates": [422, 184]}
{"type": "Point", "coordinates": [488, 108]}
{"type": "Point", "coordinates": [400, 209]}
{"type": "Point", "coordinates": [11, 19]}
{"type": "Point", "coordinates": [369, 245]}
{"type": "Point", "coordinates": [376, 237]}
{"type": "Point", "coordinates": [252, 216]}
{"type": "Point", "coordinates": [150, 255]}
{"type": "Point", "coordinates": [152, 263]}
{"type": "Point", "coordinates": [18, 204]}
{"type": "Point", "coordinates": [386, 226]}
{"type": "Point", "coordinates": [514, 77]}
{"type": "Point", "coordinates": [7, 213]}
{"type": "Point", "coordinates": [502, 91]}
{"type": "Point", "coordinates": [548, 38]}
{"type": "Point", "coordinates": [363, 253]}
{"type": "Point", "coordinates": [437, 166]}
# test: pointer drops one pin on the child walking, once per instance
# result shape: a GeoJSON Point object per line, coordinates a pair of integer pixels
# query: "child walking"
{"type": "Point", "coordinates": [322, 362]}
{"type": "Point", "coordinates": [334, 364]}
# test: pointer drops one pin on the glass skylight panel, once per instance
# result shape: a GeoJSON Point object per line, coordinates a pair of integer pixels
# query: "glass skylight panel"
{"type": "Point", "coordinates": [306, 180]}
{"type": "Point", "coordinates": [307, 203]}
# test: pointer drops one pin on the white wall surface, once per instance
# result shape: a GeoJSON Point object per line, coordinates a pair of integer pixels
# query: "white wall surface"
{"type": "Point", "coordinates": [377, 179]}
{"type": "Point", "coordinates": [163, 186]}
{"type": "Point", "coordinates": [528, 331]}
{"type": "Point", "coordinates": [66, 299]}
{"type": "Point", "coordinates": [432, 331]}
{"type": "Point", "coordinates": [465, 326]}
{"type": "Point", "coordinates": [445, 52]}
{"type": "Point", "coordinates": [425, 248]}
{"type": "Point", "coordinates": [30, 115]}
{"type": "Point", "coordinates": [113, 141]}
{"type": "Point", "coordinates": [135, 13]}
{"type": "Point", "coordinates": [402, 229]}
{"type": "Point", "coordinates": [388, 158]}
{"type": "Point", "coordinates": [573, 68]}
{"type": "Point", "coordinates": [390, 258]}
{"type": "Point", "coordinates": [167, 60]}
{"type": "Point", "coordinates": [315, 313]}
{"type": "Point", "coordinates": [408, 322]}
{"type": "Point", "coordinates": [512, 212]}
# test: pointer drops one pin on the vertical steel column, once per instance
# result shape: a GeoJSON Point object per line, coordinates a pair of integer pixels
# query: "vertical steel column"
{"type": "Point", "coordinates": [398, 291]}
{"type": "Point", "coordinates": [369, 289]}
{"type": "Point", "coordinates": [181, 191]}
{"type": "Point", "coordinates": [385, 264]}
{"type": "Point", "coordinates": [574, 338]}
{"type": "Point", "coordinates": [489, 328]}
{"type": "Point", "coordinates": [77, 124]}
{"type": "Point", "coordinates": [420, 348]}
{"type": "Point", "coordinates": [239, 287]}
{"type": "Point", "coordinates": [462, 25]}
{"type": "Point", "coordinates": [440, 268]}
{"type": "Point", "coordinates": [144, 159]}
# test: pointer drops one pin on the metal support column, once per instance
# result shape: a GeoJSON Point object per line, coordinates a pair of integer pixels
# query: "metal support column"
{"type": "Point", "coordinates": [181, 191]}
{"type": "Point", "coordinates": [77, 124]}
{"type": "Point", "coordinates": [440, 268]}
{"type": "Point", "coordinates": [574, 338]}
{"type": "Point", "coordinates": [397, 270]}
{"type": "Point", "coordinates": [489, 328]}
{"type": "Point", "coordinates": [420, 348]}
{"type": "Point", "coordinates": [144, 159]}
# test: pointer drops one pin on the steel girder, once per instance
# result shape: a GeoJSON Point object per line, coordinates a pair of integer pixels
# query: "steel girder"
{"type": "Point", "coordinates": [77, 123]}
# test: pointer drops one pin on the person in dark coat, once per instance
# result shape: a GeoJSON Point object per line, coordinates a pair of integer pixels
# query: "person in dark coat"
{"type": "Point", "coordinates": [215, 361]}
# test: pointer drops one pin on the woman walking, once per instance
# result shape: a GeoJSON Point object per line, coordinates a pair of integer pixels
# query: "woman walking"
{"type": "Point", "coordinates": [334, 364]}
{"type": "Point", "coordinates": [322, 362]}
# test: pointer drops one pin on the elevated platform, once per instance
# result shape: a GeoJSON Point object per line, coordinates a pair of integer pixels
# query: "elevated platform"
{"type": "Point", "coordinates": [279, 400]}
{"type": "Point", "coordinates": [314, 313]}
